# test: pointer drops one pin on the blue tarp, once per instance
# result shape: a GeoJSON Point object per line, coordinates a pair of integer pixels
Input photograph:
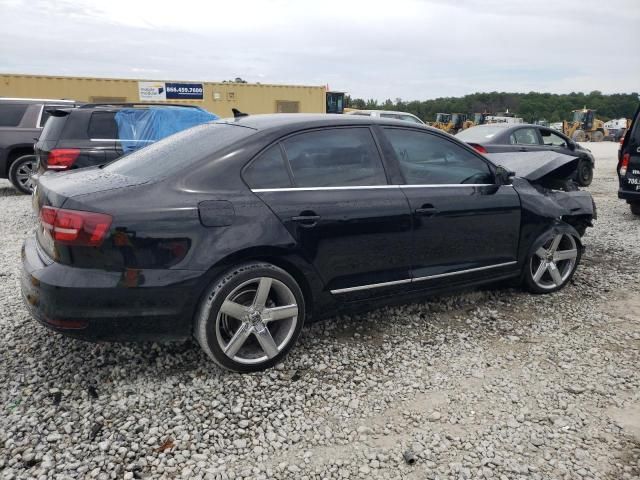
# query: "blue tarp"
{"type": "Point", "coordinates": [138, 127]}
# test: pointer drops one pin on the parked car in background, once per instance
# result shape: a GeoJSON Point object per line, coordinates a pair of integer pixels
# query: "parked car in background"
{"type": "Point", "coordinates": [501, 137]}
{"type": "Point", "coordinates": [239, 231]}
{"type": "Point", "coordinates": [629, 166]}
{"type": "Point", "coordinates": [95, 134]}
{"type": "Point", "coordinates": [21, 121]}
{"type": "Point", "coordinates": [407, 117]}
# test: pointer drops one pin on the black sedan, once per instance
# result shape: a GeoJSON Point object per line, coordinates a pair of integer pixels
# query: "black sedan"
{"type": "Point", "coordinates": [237, 232]}
{"type": "Point", "coordinates": [509, 137]}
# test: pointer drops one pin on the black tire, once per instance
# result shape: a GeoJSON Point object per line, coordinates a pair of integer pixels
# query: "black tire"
{"type": "Point", "coordinates": [635, 208]}
{"type": "Point", "coordinates": [213, 326]}
{"type": "Point", "coordinates": [20, 171]}
{"type": "Point", "coordinates": [565, 268]}
{"type": "Point", "coordinates": [585, 173]}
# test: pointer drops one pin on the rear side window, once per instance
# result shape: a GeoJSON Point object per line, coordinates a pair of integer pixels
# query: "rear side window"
{"type": "Point", "coordinates": [524, 136]}
{"type": "Point", "coordinates": [268, 170]}
{"type": "Point", "coordinates": [178, 151]}
{"type": "Point", "coordinates": [335, 158]}
{"type": "Point", "coordinates": [102, 125]}
{"type": "Point", "coordinates": [11, 114]}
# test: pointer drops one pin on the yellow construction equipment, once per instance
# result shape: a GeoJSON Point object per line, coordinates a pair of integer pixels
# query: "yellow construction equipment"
{"type": "Point", "coordinates": [443, 122]}
{"type": "Point", "coordinates": [452, 123]}
{"type": "Point", "coordinates": [584, 126]}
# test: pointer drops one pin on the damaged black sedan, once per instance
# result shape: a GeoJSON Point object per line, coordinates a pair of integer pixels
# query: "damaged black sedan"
{"type": "Point", "coordinates": [237, 232]}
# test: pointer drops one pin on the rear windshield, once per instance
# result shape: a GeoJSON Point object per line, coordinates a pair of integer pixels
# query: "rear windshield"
{"type": "Point", "coordinates": [479, 134]}
{"type": "Point", "coordinates": [53, 128]}
{"type": "Point", "coordinates": [11, 114]}
{"type": "Point", "coordinates": [177, 151]}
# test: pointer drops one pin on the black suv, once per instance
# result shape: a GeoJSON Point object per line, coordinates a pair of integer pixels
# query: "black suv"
{"type": "Point", "coordinates": [629, 165]}
{"type": "Point", "coordinates": [86, 136]}
{"type": "Point", "coordinates": [21, 121]}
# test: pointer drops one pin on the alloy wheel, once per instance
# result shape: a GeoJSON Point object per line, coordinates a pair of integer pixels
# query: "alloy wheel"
{"type": "Point", "coordinates": [257, 320]}
{"type": "Point", "coordinates": [553, 263]}
{"type": "Point", "coordinates": [24, 173]}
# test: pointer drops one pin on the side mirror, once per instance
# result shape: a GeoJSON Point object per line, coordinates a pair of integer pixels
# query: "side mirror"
{"type": "Point", "coordinates": [572, 145]}
{"type": "Point", "coordinates": [503, 175]}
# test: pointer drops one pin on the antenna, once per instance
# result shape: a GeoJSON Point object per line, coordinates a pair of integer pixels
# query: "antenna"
{"type": "Point", "coordinates": [238, 114]}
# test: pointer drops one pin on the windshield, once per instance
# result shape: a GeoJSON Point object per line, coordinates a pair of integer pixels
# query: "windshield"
{"type": "Point", "coordinates": [177, 151]}
{"type": "Point", "coordinates": [479, 134]}
{"type": "Point", "coordinates": [578, 115]}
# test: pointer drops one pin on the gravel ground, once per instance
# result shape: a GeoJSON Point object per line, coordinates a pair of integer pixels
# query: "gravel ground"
{"type": "Point", "coordinates": [494, 383]}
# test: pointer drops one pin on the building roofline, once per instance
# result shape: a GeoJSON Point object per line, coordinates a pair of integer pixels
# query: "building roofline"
{"type": "Point", "coordinates": [112, 79]}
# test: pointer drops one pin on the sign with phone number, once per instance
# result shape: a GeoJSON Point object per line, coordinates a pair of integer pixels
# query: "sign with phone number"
{"type": "Point", "coordinates": [184, 91]}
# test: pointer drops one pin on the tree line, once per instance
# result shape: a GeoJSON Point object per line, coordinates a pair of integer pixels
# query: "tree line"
{"type": "Point", "coordinates": [530, 106]}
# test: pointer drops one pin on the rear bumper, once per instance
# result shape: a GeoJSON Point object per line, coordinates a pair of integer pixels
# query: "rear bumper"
{"type": "Point", "coordinates": [629, 195]}
{"type": "Point", "coordinates": [100, 305]}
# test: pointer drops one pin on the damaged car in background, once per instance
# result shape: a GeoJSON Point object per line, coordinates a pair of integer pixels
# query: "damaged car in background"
{"type": "Point", "coordinates": [239, 231]}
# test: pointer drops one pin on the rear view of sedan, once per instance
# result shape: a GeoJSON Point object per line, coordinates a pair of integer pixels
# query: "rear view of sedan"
{"type": "Point", "coordinates": [238, 232]}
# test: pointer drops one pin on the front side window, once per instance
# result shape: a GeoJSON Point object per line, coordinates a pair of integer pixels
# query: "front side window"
{"type": "Point", "coordinates": [550, 138]}
{"type": "Point", "coordinates": [102, 125]}
{"type": "Point", "coordinates": [338, 157]}
{"type": "Point", "coordinates": [268, 170]}
{"type": "Point", "coordinates": [524, 136]}
{"type": "Point", "coordinates": [427, 159]}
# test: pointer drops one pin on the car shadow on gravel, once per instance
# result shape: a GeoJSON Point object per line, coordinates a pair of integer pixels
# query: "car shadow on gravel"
{"type": "Point", "coordinates": [9, 191]}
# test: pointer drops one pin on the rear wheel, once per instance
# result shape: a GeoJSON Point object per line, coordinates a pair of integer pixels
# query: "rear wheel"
{"type": "Point", "coordinates": [20, 173]}
{"type": "Point", "coordinates": [585, 173]}
{"type": "Point", "coordinates": [597, 136]}
{"type": "Point", "coordinates": [635, 208]}
{"type": "Point", "coordinates": [552, 265]}
{"type": "Point", "coordinates": [251, 317]}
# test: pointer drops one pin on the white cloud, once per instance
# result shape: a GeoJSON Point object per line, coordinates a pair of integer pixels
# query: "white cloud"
{"type": "Point", "coordinates": [406, 48]}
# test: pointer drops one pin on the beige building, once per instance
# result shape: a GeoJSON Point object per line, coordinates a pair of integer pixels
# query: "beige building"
{"type": "Point", "coordinates": [218, 98]}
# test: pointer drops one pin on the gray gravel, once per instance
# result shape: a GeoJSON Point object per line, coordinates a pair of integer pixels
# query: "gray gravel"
{"type": "Point", "coordinates": [493, 383]}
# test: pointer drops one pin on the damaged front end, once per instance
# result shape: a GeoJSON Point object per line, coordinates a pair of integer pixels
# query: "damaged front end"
{"type": "Point", "coordinates": [543, 182]}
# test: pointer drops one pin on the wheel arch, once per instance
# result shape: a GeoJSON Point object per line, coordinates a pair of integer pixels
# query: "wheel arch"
{"type": "Point", "coordinates": [294, 264]}
{"type": "Point", "coordinates": [555, 228]}
{"type": "Point", "coordinates": [16, 152]}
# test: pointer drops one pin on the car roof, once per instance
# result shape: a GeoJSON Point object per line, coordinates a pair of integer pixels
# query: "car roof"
{"type": "Point", "coordinates": [308, 120]}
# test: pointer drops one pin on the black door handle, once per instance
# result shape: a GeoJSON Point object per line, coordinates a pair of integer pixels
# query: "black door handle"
{"type": "Point", "coordinates": [305, 219]}
{"type": "Point", "coordinates": [524, 149]}
{"type": "Point", "coordinates": [426, 210]}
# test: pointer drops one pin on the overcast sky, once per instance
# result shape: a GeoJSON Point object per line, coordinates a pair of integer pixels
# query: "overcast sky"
{"type": "Point", "coordinates": [413, 49]}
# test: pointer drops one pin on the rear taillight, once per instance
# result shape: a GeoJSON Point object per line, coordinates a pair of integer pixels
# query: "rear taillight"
{"type": "Point", "coordinates": [624, 164]}
{"type": "Point", "coordinates": [62, 158]}
{"type": "Point", "coordinates": [478, 147]}
{"type": "Point", "coordinates": [74, 227]}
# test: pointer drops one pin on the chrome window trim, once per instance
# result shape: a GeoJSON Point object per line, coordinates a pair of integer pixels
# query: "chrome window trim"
{"type": "Point", "coordinates": [119, 140]}
{"type": "Point", "coordinates": [362, 187]}
{"type": "Point", "coordinates": [420, 279]}
{"type": "Point", "coordinates": [40, 117]}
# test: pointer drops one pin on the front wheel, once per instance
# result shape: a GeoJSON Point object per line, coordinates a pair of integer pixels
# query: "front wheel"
{"type": "Point", "coordinates": [552, 265]}
{"type": "Point", "coordinates": [251, 317]}
{"type": "Point", "coordinates": [635, 208]}
{"type": "Point", "coordinates": [21, 171]}
{"type": "Point", "coordinates": [585, 173]}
